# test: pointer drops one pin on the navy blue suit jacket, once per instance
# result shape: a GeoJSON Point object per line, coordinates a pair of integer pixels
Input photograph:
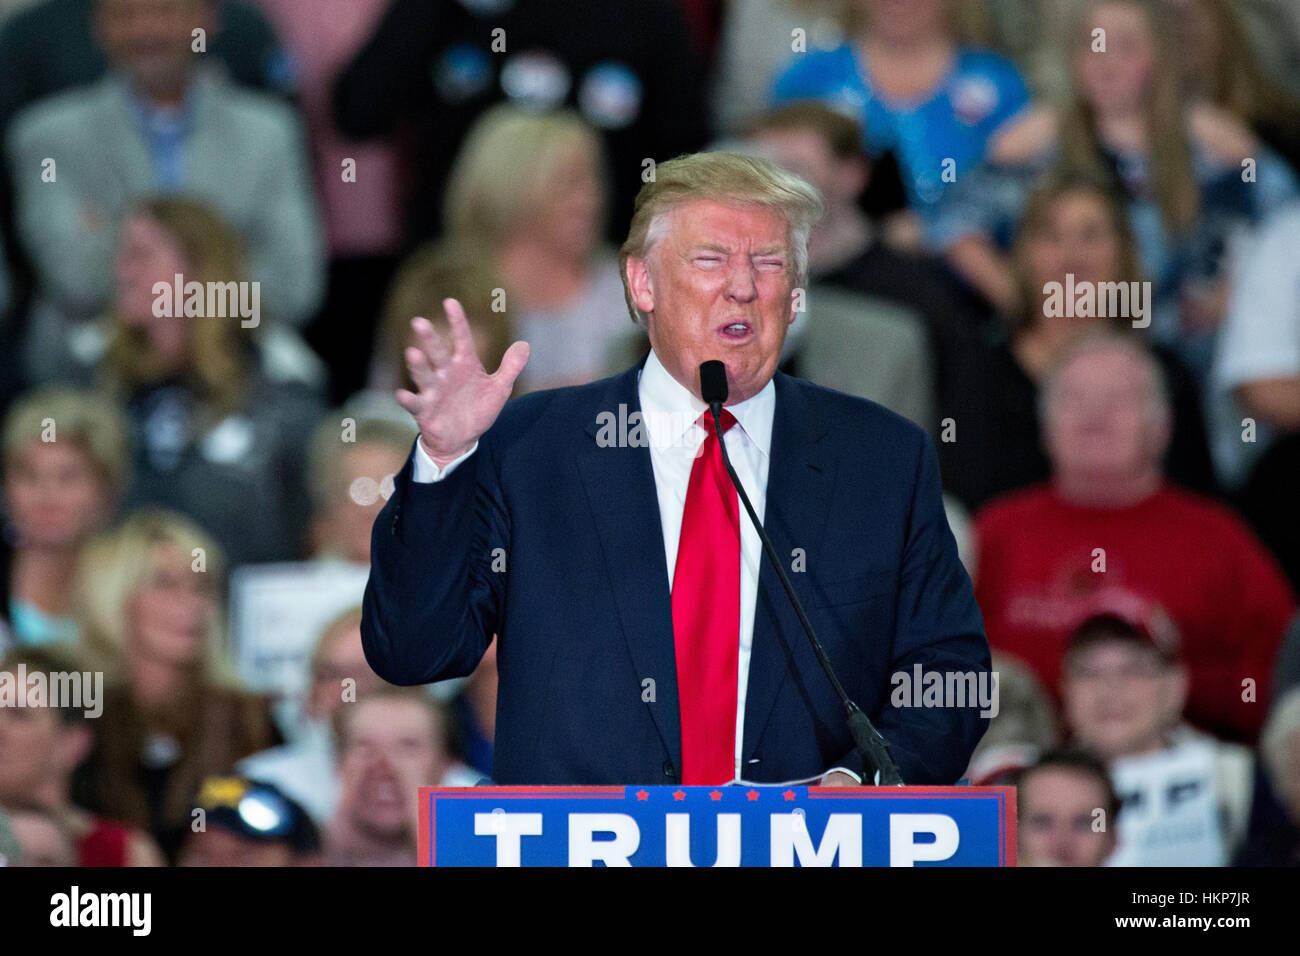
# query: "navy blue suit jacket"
{"type": "Point", "coordinates": [554, 543]}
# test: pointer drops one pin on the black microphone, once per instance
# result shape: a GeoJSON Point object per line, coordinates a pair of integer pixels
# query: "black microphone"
{"type": "Point", "coordinates": [870, 745]}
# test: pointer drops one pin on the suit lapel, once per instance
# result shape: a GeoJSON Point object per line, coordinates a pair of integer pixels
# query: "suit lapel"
{"type": "Point", "coordinates": [798, 502]}
{"type": "Point", "coordinates": [631, 537]}
{"type": "Point", "coordinates": [799, 482]}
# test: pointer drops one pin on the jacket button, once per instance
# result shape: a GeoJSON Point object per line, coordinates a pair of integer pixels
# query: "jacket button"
{"type": "Point", "coordinates": [668, 769]}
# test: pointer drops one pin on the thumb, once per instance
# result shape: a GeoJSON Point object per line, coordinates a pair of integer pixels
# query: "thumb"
{"type": "Point", "coordinates": [512, 363]}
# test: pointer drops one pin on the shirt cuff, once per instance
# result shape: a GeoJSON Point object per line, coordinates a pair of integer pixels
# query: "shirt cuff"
{"type": "Point", "coordinates": [843, 770]}
{"type": "Point", "coordinates": [425, 472]}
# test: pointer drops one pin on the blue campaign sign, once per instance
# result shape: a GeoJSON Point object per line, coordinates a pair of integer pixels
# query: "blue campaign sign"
{"type": "Point", "coordinates": [717, 826]}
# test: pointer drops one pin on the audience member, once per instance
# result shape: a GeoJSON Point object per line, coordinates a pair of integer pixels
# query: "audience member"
{"type": "Point", "coordinates": [248, 823]}
{"type": "Point", "coordinates": [1258, 367]}
{"type": "Point", "coordinates": [360, 186]}
{"type": "Point", "coordinates": [305, 768]}
{"type": "Point", "coordinates": [163, 120]}
{"type": "Point", "coordinates": [1181, 165]}
{"type": "Point", "coordinates": [389, 743]}
{"type": "Point", "coordinates": [65, 467]}
{"type": "Point", "coordinates": [219, 425]}
{"type": "Point", "coordinates": [437, 65]}
{"type": "Point", "coordinates": [920, 89]}
{"type": "Point", "coordinates": [1185, 797]}
{"type": "Point", "coordinates": [41, 749]}
{"type": "Point", "coordinates": [150, 615]}
{"type": "Point", "coordinates": [1109, 522]}
{"type": "Point", "coordinates": [1074, 235]}
{"type": "Point", "coordinates": [527, 195]}
{"type": "Point", "coordinates": [1066, 810]}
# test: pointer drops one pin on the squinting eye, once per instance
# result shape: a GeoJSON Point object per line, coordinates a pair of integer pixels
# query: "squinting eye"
{"type": "Point", "coordinates": [771, 265]}
{"type": "Point", "coordinates": [708, 262]}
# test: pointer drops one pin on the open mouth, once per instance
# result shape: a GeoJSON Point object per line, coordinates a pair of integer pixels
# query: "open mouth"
{"type": "Point", "coordinates": [736, 331]}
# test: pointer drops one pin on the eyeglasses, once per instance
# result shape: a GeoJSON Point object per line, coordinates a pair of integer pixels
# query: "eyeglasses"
{"type": "Point", "coordinates": [262, 810]}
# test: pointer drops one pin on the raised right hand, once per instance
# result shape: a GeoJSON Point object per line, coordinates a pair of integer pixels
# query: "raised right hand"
{"type": "Point", "coordinates": [456, 399]}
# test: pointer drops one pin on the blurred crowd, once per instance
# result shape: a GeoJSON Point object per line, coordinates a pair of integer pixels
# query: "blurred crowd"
{"type": "Point", "coordinates": [1063, 236]}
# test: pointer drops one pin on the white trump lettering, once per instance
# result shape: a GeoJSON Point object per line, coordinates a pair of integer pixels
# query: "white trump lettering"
{"type": "Point", "coordinates": [790, 836]}
{"type": "Point", "coordinates": [509, 829]}
{"type": "Point", "coordinates": [903, 828]}
{"type": "Point", "coordinates": [585, 849]}
{"type": "Point", "coordinates": [678, 848]}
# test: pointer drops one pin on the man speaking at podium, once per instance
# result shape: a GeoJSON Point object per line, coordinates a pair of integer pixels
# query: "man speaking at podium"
{"type": "Point", "coordinates": [643, 638]}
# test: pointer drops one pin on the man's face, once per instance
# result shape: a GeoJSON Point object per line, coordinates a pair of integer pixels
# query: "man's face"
{"type": "Point", "coordinates": [393, 747]}
{"type": "Point", "coordinates": [150, 40]}
{"type": "Point", "coordinates": [217, 846]}
{"type": "Point", "coordinates": [1120, 696]}
{"type": "Point", "coordinates": [343, 659]}
{"type": "Point", "coordinates": [1100, 419]}
{"type": "Point", "coordinates": [1057, 809]}
{"type": "Point", "coordinates": [718, 284]}
{"type": "Point", "coordinates": [34, 748]}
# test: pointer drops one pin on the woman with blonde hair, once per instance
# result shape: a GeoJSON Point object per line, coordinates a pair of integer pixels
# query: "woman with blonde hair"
{"type": "Point", "coordinates": [526, 203]}
{"type": "Point", "coordinates": [149, 598]}
{"type": "Point", "coordinates": [219, 424]}
{"type": "Point", "coordinates": [65, 467]}
{"type": "Point", "coordinates": [1192, 176]}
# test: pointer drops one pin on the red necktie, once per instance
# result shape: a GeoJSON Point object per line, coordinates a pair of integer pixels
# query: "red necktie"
{"type": "Point", "coordinates": [706, 615]}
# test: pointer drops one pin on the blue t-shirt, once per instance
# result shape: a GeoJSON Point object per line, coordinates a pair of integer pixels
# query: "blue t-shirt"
{"type": "Point", "coordinates": [980, 92]}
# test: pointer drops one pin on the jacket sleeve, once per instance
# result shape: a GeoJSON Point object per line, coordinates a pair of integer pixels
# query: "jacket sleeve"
{"type": "Point", "coordinates": [437, 573]}
{"type": "Point", "coordinates": [939, 626]}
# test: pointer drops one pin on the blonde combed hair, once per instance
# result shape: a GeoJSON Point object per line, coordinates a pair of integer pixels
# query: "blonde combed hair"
{"type": "Point", "coordinates": [503, 170]}
{"type": "Point", "coordinates": [81, 419]}
{"type": "Point", "coordinates": [113, 567]}
{"type": "Point", "coordinates": [729, 178]}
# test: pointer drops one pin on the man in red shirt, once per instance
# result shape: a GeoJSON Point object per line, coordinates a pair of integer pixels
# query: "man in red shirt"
{"type": "Point", "coordinates": [1109, 522]}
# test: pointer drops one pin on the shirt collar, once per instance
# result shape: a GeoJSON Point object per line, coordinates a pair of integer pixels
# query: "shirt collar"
{"type": "Point", "coordinates": [179, 118]}
{"type": "Point", "coordinates": [669, 409]}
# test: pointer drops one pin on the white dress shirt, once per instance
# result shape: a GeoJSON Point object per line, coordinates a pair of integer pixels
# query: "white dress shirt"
{"type": "Point", "coordinates": [669, 412]}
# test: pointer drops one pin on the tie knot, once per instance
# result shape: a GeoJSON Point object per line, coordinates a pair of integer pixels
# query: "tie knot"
{"type": "Point", "coordinates": [705, 421]}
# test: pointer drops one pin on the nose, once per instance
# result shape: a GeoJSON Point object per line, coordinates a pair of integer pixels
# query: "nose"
{"type": "Point", "coordinates": [741, 283]}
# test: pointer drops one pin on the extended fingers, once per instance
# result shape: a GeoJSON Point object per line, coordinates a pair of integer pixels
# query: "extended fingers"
{"type": "Point", "coordinates": [428, 341]}
{"type": "Point", "coordinates": [462, 340]}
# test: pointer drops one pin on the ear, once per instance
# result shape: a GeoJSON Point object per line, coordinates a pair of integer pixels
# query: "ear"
{"type": "Point", "coordinates": [640, 284]}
